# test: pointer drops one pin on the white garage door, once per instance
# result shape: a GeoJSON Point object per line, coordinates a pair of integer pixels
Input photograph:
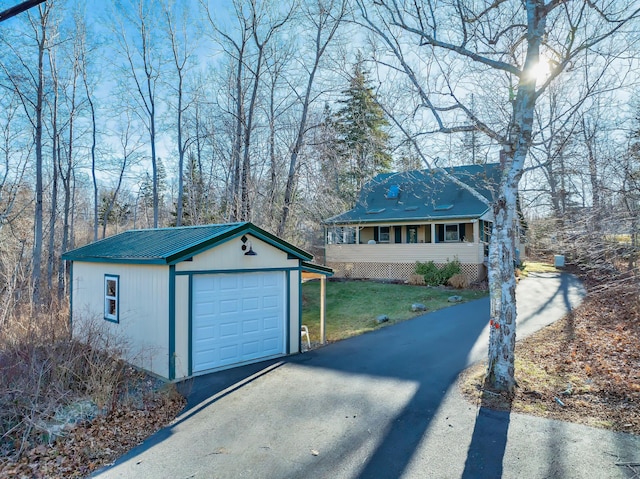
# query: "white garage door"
{"type": "Point", "coordinates": [237, 318]}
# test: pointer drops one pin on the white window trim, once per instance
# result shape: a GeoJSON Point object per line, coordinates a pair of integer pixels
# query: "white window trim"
{"type": "Point", "coordinates": [380, 234]}
{"type": "Point", "coordinates": [114, 318]}
{"type": "Point", "coordinates": [457, 231]}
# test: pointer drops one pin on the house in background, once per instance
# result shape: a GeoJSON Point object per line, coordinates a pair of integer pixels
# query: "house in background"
{"type": "Point", "coordinates": [420, 215]}
{"type": "Point", "coordinates": [194, 299]}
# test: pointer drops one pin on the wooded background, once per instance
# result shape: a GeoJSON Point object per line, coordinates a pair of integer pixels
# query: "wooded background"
{"type": "Point", "coordinates": [138, 114]}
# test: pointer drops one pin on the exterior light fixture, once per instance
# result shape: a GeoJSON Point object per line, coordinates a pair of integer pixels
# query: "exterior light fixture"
{"type": "Point", "coordinates": [247, 247]}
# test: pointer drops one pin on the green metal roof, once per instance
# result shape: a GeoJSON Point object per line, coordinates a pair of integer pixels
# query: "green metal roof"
{"type": "Point", "coordinates": [423, 195]}
{"type": "Point", "coordinates": [171, 245]}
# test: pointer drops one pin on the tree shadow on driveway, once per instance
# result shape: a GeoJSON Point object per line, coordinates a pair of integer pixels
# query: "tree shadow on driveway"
{"type": "Point", "coordinates": [271, 415]}
{"type": "Point", "coordinates": [431, 351]}
{"type": "Point", "coordinates": [488, 443]}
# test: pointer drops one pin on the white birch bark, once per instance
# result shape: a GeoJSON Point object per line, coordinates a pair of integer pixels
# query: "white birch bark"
{"type": "Point", "coordinates": [449, 33]}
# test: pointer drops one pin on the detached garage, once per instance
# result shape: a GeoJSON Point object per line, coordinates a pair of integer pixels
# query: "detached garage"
{"type": "Point", "coordinates": [195, 299]}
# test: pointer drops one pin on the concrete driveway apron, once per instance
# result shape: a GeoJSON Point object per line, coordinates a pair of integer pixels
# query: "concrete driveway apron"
{"type": "Point", "coordinates": [381, 405]}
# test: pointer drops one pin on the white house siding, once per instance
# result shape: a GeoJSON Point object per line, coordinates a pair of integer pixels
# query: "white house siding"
{"type": "Point", "coordinates": [294, 307]}
{"type": "Point", "coordinates": [143, 309]}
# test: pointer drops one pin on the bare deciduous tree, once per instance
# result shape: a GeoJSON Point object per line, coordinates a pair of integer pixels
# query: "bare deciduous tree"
{"type": "Point", "coordinates": [442, 50]}
{"type": "Point", "coordinates": [143, 58]}
{"type": "Point", "coordinates": [324, 18]}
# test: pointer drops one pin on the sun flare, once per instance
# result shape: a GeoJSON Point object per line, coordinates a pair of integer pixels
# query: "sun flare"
{"type": "Point", "coordinates": [540, 71]}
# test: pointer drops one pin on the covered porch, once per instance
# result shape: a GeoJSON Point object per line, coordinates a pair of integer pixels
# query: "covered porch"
{"type": "Point", "coordinates": [390, 251]}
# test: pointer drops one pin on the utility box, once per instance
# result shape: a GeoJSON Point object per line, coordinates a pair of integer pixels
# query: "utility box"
{"type": "Point", "coordinates": [558, 260]}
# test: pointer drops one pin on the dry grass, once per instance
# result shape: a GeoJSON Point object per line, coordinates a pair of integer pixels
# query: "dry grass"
{"type": "Point", "coordinates": [54, 387]}
{"type": "Point", "coordinates": [584, 368]}
{"type": "Point", "coordinates": [458, 281]}
{"type": "Point", "coordinates": [538, 267]}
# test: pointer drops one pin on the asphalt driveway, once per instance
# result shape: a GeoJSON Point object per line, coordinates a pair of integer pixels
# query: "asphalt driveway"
{"type": "Point", "coordinates": [381, 405]}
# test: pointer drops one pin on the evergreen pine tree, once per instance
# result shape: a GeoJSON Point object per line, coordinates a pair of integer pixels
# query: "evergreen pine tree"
{"type": "Point", "coordinates": [362, 139]}
{"type": "Point", "coordinates": [146, 191]}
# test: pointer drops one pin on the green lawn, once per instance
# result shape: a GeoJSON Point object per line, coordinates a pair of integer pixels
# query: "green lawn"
{"type": "Point", "coordinates": [353, 306]}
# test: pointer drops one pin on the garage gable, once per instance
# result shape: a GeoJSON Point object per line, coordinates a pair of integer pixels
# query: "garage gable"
{"type": "Point", "coordinates": [229, 255]}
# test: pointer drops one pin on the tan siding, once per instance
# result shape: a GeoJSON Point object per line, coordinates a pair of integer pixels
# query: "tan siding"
{"type": "Point", "coordinates": [229, 256]}
{"type": "Point", "coordinates": [294, 308]}
{"type": "Point", "coordinates": [143, 309]}
{"type": "Point", "coordinates": [366, 234]}
{"type": "Point", "coordinates": [182, 326]}
{"type": "Point", "coordinates": [469, 253]}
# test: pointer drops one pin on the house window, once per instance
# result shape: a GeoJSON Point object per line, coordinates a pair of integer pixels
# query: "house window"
{"type": "Point", "coordinates": [383, 234]}
{"type": "Point", "coordinates": [451, 232]}
{"type": "Point", "coordinates": [341, 235]}
{"type": "Point", "coordinates": [111, 298]}
{"type": "Point", "coordinates": [412, 234]}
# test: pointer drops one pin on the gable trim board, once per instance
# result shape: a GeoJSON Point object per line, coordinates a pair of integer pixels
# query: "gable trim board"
{"type": "Point", "coordinates": [157, 290]}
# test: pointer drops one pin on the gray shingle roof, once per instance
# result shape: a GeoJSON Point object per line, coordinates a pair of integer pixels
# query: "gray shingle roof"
{"type": "Point", "coordinates": [423, 195]}
{"type": "Point", "coordinates": [170, 245]}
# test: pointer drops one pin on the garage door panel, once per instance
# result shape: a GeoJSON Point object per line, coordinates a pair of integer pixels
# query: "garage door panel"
{"type": "Point", "coordinates": [250, 326]}
{"type": "Point", "coordinates": [251, 281]}
{"type": "Point", "coordinates": [228, 330]}
{"type": "Point", "coordinates": [241, 316]}
{"type": "Point", "coordinates": [206, 333]}
{"type": "Point", "coordinates": [228, 352]}
{"type": "Point", "coordinates": [270, 344]}
{"type": "Point", "coordinates": [251, 348]}
{"type": "Point", "coordinates": [250, 304]}
{"type": "Point", "coordinates": [271, 323]}
{"type": "Point", "coordinates": [270, 301]}
{"type": "Point", "coordinates": [226, 282]}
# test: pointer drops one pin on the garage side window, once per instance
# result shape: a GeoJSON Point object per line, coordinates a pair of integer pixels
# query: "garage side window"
{"type": "Point", "coordinates": [111, 298]}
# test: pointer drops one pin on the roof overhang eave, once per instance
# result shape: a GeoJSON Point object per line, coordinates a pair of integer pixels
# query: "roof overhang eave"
{"type": "Point", "coordinates": [308, 267]}
{"type": "Point", "coordinates": [410, 219]}
{"type": "Point", "coordinates": [99, 259]}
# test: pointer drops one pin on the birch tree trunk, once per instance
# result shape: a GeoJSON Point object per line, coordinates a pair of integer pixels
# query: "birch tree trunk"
{"type": "Point", "coordinates": [490, 44]}
{"type": "Point", "coordinates": [502, 290]}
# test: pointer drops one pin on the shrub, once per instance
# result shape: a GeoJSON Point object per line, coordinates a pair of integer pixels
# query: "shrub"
{"type": "Point", "coordinates": [459, 281]}
{"type": "Point", "coordinates": [44, 371]}
{"type": "Point", "coordinates": [434, 276]}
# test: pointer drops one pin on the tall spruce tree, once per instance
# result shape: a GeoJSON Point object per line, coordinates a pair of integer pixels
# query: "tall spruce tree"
{"type": "Point", "coordinates": [362, 140]}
